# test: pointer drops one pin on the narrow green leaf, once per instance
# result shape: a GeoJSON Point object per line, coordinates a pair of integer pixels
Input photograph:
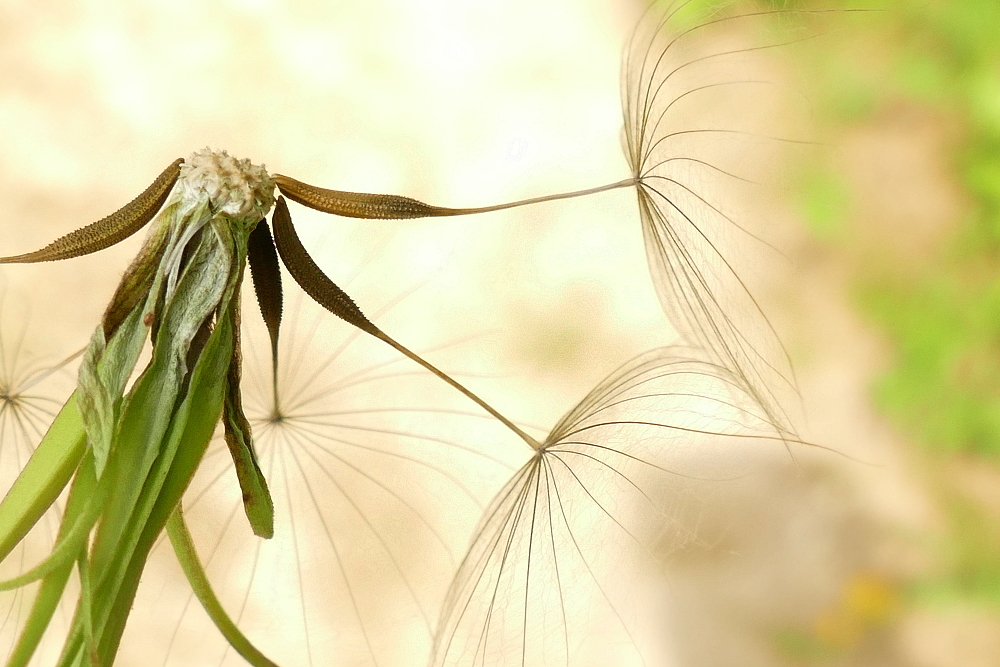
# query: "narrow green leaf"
{"type": "Point", "coordinates": [105, 371]}
{"type": "Point", "coordinates": [66, 550]}
{"type": "Point", "coordinates": [86, 605]}
{"type": "Point", "coordinates": [51, 591]}
{"type": "Point", "coordinates": [46, 474]}
{"type": "Point", "coordinates": [185, 445]}
{"type": "Point", "coordinates": [116, 576]}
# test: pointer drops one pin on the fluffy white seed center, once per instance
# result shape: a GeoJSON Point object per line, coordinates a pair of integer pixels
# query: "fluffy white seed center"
{"type": "Point", "coordinates": [234, 187]}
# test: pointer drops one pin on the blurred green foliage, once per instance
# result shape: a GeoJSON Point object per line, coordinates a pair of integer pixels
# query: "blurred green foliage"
{"type": "Point", "coordinates": [972, 556]}
{"type": "Point", "coordinates": [939, 313]}
{"type": "Point", "coordinates": [942, 318]}
{"type": "Point", "coordinates": [945, 320]}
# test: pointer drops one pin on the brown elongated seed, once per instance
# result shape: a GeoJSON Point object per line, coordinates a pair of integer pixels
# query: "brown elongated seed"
{"type": "Point", "coordinates": [309, 276]}
{"type": "Point", "coordinates": [266, 274]}
{"type": "Point", "coordinates": [357, 204]}
{"type": "Point", "coordinates": [327, 294]}
{"type": "Point", "coordinates": [110, 230]}
{"type": "Point", "coordinates": [394, 207]}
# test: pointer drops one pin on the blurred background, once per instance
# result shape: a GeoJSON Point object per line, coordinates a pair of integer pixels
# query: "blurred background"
{"type": "Point", "coordinates": [886, 552]}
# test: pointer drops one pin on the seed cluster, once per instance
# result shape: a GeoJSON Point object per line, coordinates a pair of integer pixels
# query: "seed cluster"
{"type": "Point", "coordinates": [234, 187]}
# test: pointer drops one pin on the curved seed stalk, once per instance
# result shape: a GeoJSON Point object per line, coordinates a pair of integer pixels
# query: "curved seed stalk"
{"type": "Point", "coordinates": [395, 207]}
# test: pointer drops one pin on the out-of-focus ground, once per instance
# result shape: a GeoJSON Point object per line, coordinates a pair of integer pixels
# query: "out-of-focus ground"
{"type": "Point", "coordinates": [893, 561]}
{"type": "Point", "coordinates": [866, 556]}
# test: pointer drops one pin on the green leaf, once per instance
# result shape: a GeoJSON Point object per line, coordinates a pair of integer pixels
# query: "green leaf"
{"type": "Point", "coordinates": [67, 548]}
{"type": "Point", "coordinates": [185, 444]}
{"type": "Point", "coordinates": [46, 474]}
{"type": "Point", "coordinates": [116, 578]}
{"type": "Point", "coordinates": [51, 590]}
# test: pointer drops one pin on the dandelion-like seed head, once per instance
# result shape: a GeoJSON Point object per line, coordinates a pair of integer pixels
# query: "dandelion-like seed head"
{"type": "Point", "coordinates": [8, 397]}
{"type": "Point", "coordinates": [236, 188]}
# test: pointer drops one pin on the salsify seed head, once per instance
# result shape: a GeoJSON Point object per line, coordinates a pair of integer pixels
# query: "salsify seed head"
{"type": "Point", "coordinates": [236, 188]}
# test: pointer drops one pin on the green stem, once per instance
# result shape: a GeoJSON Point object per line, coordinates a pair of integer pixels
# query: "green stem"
{"type": "Point", "coordinates": [187, 555]}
